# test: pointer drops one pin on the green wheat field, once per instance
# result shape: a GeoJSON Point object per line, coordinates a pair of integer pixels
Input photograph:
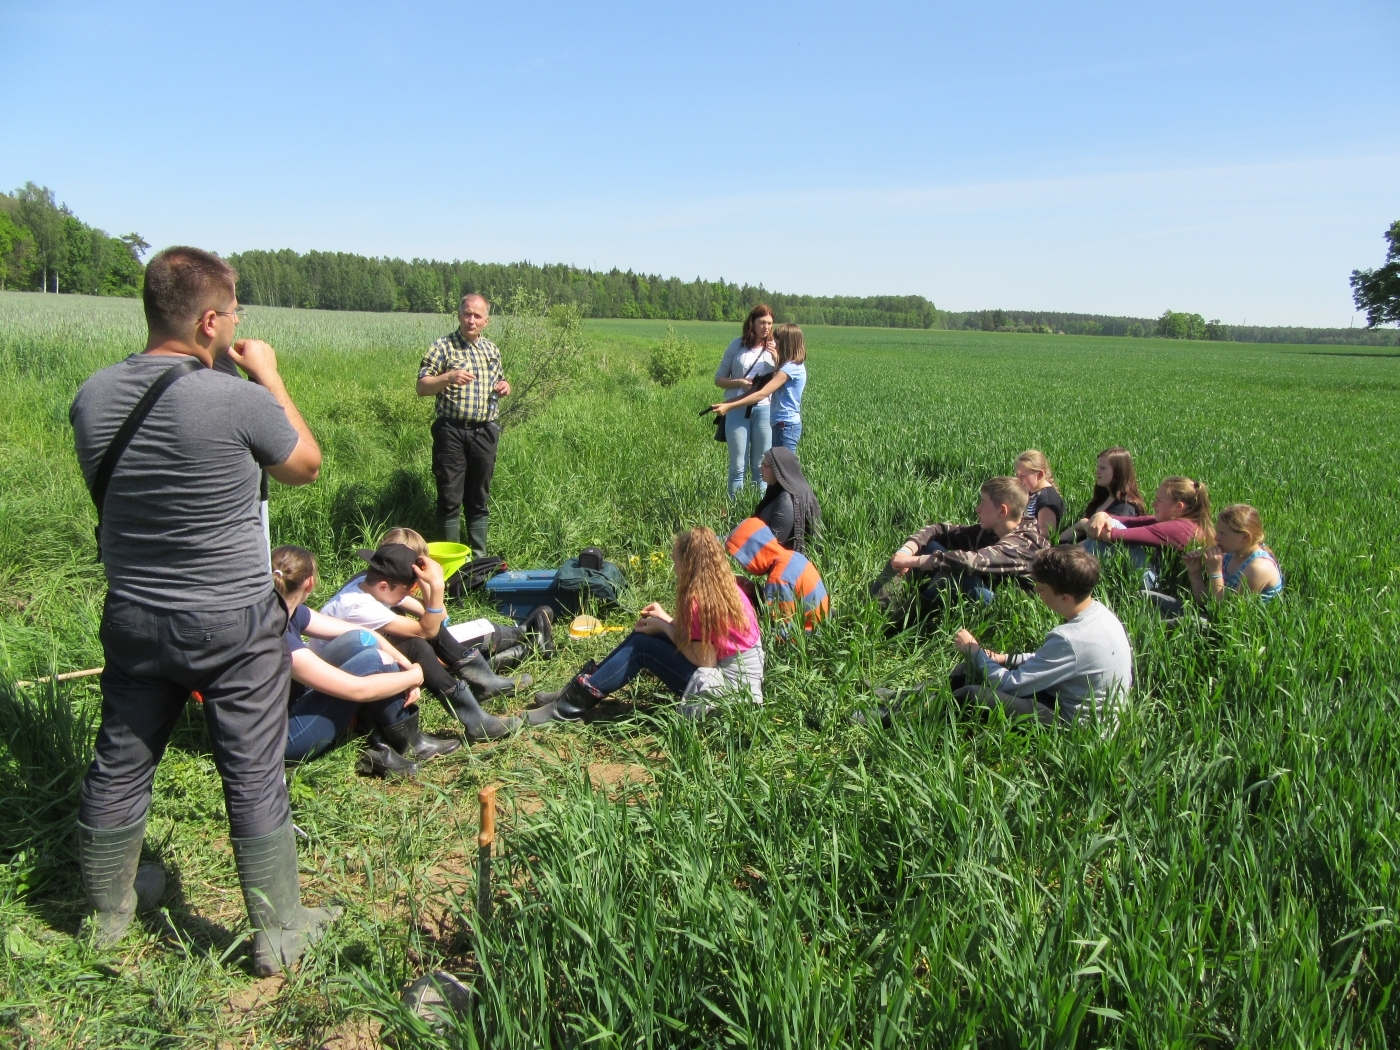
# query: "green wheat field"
{"type": "Point", "coordinates": [1221, 872]}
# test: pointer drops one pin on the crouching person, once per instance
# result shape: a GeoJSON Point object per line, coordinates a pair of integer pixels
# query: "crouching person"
{"type": "Point", "coordinates": [1085, 663]}
{"type": "Point", "coordinates": [794, 591]}
{"type": "Point", "coordinates": [715, 629]}
{"type": "Point", "coordinates": [356, 672]}
{"type": "Point", "coordinates": [944, 560]}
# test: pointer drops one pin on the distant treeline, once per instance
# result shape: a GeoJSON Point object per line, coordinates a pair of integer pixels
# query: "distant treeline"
{"type": "Point", "coordinates": [342, 281]}
{"type": "Point", "coordinates": [45, 247]}
{"type": "Point", "coordinates": [1171, 325]}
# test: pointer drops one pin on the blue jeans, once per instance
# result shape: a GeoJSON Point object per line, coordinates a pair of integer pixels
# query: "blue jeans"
{"type": "Point", "coordinates": [786, 434]}
{"type": "Point", "coordinates": [316, 719]}
{"type": "Point", "coordinates": [643, 652]}
{"type": "Point", "coordinates": [748, 440]}
{"type": "Point", "coordinates": [940, 586]}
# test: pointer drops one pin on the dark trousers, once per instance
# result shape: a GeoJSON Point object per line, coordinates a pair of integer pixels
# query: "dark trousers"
{"type": "Point", "coordinates": [464, 458]}
{"type": "Point", "coordinates": [155, 658]}
{"type": "Point", "coordinates": [426, 655]}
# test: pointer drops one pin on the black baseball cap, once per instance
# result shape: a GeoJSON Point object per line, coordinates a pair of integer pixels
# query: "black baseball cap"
{"type": "Point", "coordinates": [393, 561]}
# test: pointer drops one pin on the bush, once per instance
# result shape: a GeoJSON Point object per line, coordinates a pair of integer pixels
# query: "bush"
{"type": "Point", "coordinates": [541, 350]}
{"type": "Point", "coordinates": [672, 359]}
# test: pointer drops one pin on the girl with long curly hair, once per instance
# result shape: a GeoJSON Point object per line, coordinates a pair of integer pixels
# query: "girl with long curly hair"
{"type": "Point", "coordinates": [711, 645]}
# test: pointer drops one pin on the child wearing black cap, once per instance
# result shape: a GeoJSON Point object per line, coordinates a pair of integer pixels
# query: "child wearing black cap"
{"type": "Point", "coordinates": [369, 600]}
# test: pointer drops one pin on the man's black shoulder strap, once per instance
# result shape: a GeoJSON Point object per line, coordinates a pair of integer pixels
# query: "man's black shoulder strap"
{"type": "Point", "coordinates": [128, 430]}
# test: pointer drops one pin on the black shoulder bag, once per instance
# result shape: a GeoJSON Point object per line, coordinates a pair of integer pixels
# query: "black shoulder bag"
{"type": "Point", "coordinates": [128, 430]}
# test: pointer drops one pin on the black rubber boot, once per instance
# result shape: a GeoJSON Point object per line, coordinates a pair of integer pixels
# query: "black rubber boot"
{"type": "Point", "coordinates": [451, 529]}
{"type": "Point", "coordinates": [117, 884]}
{"type": "Point", "coordinates": [476, 536]}
{"type": "Point", "coordinates": [568, 705]}
{"type": "Point", "coordinates": [405, 737]}
{"type": "Point", "coordinates": [486, 683]}
{"type": "Point", "coordinates": [509, 658]}
{"type": "Point", "coordinates": [504, 636]}
{"type": "Point", "coordinates": [282, 928]}
{"type": "Point", "coordinates": [379, 759]}
{"type": "Point", "coordinates": [480, 725]}
{"type": "Point", "coordinates": [543, 699]}
{"type": "Point", "coordinates": [540, 625]}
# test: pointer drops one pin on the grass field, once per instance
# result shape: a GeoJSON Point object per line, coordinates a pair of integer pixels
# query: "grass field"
{"type": "Point", "coordinates": [1220, 872]}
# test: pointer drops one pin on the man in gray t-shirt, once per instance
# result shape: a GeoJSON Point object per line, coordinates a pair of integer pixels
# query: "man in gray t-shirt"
{"type": "Point", "coordinates": [190, 606]}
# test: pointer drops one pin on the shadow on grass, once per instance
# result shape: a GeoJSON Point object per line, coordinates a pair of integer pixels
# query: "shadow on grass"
{"type": "Point", "coordinates": [403, 501]}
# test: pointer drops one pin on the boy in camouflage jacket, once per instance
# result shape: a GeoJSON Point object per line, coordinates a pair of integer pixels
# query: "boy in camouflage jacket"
{"type": "Point", "coordinates": [945, 558]}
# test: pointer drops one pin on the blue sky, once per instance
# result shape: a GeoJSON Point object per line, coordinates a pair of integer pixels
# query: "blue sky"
{"type": "Point", "coordinates": [1234, 159]}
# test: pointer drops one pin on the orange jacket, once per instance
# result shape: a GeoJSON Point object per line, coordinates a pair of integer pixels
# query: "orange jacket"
{"type": "Point", "coordinates": [793, 581]}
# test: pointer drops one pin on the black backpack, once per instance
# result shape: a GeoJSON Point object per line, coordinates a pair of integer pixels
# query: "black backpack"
{"type": "Point", "coordinates": [591, 575]}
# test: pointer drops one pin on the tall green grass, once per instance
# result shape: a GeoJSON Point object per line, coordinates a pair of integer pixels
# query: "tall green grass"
{"type": "Point", "coordinates": [1219, 871]}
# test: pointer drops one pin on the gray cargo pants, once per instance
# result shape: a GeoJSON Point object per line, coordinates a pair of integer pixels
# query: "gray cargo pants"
{"type": "Point", "coordinates": [238, 661]}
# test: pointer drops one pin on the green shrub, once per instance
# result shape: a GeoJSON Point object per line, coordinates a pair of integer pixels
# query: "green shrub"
{"type": "Point", "coordinates": [672, 359]}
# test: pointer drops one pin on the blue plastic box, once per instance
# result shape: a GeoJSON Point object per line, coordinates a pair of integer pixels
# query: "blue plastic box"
{"type": "Point", "coordinates": [519, 592]}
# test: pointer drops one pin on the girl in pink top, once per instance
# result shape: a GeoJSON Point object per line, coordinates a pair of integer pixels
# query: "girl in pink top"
{"type": "Point", "coordinates": [1180, 515]}
{"type": "Point", "coordinates": [717, 642]}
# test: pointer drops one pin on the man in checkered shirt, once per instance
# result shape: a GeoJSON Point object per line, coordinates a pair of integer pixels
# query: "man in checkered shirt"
{"type": "Point", "coordinates": [463, 371]}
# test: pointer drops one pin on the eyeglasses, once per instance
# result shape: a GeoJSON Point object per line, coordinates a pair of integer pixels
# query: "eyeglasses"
{"type": "Point", "coordinates": [237, 313]}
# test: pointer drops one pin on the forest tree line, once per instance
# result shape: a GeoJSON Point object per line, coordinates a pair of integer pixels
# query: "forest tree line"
{"type": "Point", "coordinates": [44, 246]}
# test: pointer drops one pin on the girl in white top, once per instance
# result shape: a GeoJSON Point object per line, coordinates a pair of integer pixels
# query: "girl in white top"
{"type": "Point", "coordinates": [749, 433]}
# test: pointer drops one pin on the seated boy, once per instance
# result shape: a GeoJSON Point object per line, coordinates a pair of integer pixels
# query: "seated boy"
{"type": "Point", "coordinates": [945, 558]}
{"type": "Point", "coordinates": [370, 599]}
{"type": "Point", "coordinates": [1086, 662]}
{"type": "Point", "coordinates": [793, 581]}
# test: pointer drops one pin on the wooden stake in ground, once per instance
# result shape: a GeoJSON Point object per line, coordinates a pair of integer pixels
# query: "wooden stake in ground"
{"type": "Point", "coordinates": [484, 841]}
{"type": "Point", "coordinates": [67, 676]}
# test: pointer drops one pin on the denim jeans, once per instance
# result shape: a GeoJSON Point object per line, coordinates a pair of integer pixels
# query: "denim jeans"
{"type": "Point", "coordinates": [643, 652]}
{"type": "Point", "coordinates": [786, 434]}
{"type": "Point", "coordinates": [748, 440]}
{"type": "Point", "coordinates": [938, 587]}
{"type": "Point", "coordinates": [318, 718]}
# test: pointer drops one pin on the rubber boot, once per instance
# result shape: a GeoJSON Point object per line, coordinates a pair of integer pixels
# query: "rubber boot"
{"type": "Point", "coordinates": [379, 759]}
{"type": "Point", "coordinates": [544, 699]}
{"type": "Point", "coordinates": [509, 658]}
{"type": "Point", "coordinates": [486, 683]}
{"type": "Point", "coordinates": [540, 624]}
{"type": "Point", "coordinates": [569, 704]}
{"type": "Point", "coordinates": [117, 884]}
{"type": "Point", "coordinates": [405, 737]}
{"type": "Point", "coordinates": [504, 636]}
{"type": "Point", "coordinates": [282, 928]}
{"type": "Point", "coordinates": [480, 725]}
{"type": "Point", "coordinates": [476, 536]}
{"type": "Point", "coordinates": [451, 529]}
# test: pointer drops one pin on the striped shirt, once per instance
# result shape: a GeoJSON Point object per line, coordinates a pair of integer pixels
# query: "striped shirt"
{"type": "Point", "coordinates": [793, 581]}
{"type": "Point", "coordinates": [473, 402]}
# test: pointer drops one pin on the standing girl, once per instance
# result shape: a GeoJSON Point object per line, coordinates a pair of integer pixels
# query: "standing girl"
{"type": "Point", "coordinates": [785, 388]}
{"type": "Point", "coordinates": [748, 434]}
{"type": "Point", "coordinates": [714, 633]}
{"type": "Point", "coordinates": [1045, 506]}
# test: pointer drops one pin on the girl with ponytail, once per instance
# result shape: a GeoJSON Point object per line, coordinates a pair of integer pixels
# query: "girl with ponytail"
{"type": "Point", "coordinates": [1180, 517]}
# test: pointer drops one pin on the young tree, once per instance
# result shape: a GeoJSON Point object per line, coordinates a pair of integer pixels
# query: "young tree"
{"type": "Point", "coordinates": [1377, 292]}
{"type": "Point", "coordinates": [16, 252]}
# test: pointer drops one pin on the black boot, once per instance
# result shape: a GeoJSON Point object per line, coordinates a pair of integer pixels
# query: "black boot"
{"type": "Point", "coordinates": [567, 705]}
{"type": "Point", "coordinates": [282, 928]}
{"type": "Point", "coordinates": [405, 737]}
{"type": "Point", "coordinates": [118, 885]}
{"type": "Point", "coordinates": [540, 624]}
{"type": "Point", "coordinates": [476, 536]}
{"type": "Point", "coordinates": [486, 683]}
{"type": "Point", "coordinates": [542, 699]}
{"type": "Point", "coordinates": [509, 658]}
{"type": "Point", "coordinates": [480, 725]}
{"type": "Point", "coordinates": [379, 759]}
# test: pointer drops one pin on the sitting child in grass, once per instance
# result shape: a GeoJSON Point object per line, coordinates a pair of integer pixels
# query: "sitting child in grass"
{"type": "Point", "coordinates": [1115, 492]}
{"type": "Point", "coordinates": [370, 600]}
{"type": "Point", "coordinates": [1239, 562]}
{"type": "Point", "coordinates": [794, 586]}
{"type": "Point", "coordinates": [713, 647]}
{"type": "Point", "coordinates": [356, 673]}
{"type": "Point", "coordinates": [1045, 506]}
{"type": "Point", "coordinates": [1086, 663]}
{"type": "Point", "coordinates": [789, 506]}
{"type": "Point", "coordinates": [947, 559]}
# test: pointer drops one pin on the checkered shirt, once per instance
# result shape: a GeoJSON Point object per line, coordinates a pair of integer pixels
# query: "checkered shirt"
{"type": "Point", "coordinates": [474, 402]}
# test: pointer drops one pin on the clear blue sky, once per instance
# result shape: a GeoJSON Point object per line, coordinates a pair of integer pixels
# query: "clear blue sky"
{"type": "Point", "coordinates": [1234, 159]}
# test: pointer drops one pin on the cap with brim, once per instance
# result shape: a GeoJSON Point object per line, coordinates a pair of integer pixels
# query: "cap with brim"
{"type": "Point", "coordinates": [393, 561]}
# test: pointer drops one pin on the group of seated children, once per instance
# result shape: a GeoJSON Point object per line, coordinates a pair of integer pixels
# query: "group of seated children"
{"type": "Point", "coordinates": [373, 645]}
{"type": "Point", "coordinates": [1016, 518]}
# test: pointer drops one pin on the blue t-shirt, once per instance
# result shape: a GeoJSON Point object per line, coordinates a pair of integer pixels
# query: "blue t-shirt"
{"type": "Point", "coordinates": [296, 623]}
{"type": "Point", "coordinates": [787, 402]}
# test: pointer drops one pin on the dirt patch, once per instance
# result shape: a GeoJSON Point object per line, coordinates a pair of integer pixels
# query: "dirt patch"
{"type": "Point", "coordinates": [615, 776]}
{"type": "Point", "coordinates": [356, 1033]}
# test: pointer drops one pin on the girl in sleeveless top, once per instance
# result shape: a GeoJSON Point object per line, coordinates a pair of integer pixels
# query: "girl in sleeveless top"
{"type": "Point", "coordinates": [1238, 562]}
{"type": "Point", "coordinates": [1045, 505]}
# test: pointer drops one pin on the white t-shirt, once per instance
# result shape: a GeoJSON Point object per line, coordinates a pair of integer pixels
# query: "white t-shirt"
{"type": "Point", "coordinates": [355, 606]}
{"type": "Point", "coordinates": [740, 361]}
